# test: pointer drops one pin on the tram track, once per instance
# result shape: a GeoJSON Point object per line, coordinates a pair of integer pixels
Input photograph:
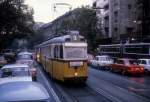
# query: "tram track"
{"type": "Point", "coordinates": [114, 89]}
{"type": "Point", "coordinates": [81, 93]}
{"type": "Point", "coordinates": [90, 92]}
{"type": "Point", "coordinates": [71, 93]}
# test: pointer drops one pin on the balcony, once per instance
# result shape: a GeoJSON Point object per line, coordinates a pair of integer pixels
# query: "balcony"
{"type": "Point", "coordinates": [105, 2]}
{"type": "Point", "coordinates": [106, 13]}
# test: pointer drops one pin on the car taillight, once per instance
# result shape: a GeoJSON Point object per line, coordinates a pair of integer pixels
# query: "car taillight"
{"type": "Point", "coordinates": [142, 68]}
{"type": "Point", "coordinates": [33, 71]}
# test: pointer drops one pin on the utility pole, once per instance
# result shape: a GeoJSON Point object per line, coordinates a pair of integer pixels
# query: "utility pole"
{"type": "Point", "coordinates": [55, 6]}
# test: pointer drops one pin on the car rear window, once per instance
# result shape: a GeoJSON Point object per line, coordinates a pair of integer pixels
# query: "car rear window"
{"type": "Point", "coordinates": [30, 101]}
{"type": "Point", "coordinates": [15, 72]}
{"type": "Point", "coordinates": [25, 56]}
{"type": "Point", "coordinates": [133, 62]}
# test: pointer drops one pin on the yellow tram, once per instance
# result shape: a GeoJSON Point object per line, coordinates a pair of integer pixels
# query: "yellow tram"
{"type": "Point", "coordinates": [64, 57]}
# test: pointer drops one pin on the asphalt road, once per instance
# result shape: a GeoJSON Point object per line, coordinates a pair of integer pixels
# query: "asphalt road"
{"type": "Point", "coordinates": [101, 86]}
{"type": "Point", "coordinates": [119, 88]}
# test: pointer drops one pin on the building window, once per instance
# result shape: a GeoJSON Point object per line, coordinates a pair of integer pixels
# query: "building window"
{"type": "Point", "coordinates": [116, 16]}
{"type": "Point", "coordinates": [94, 4]}
{"type": "Point", "coordinates": [129, 6]}
{"type": "Point", "coordinates": [106, 7]}
{"type": "Point", "coordinates": [116, 13]}
{"type": "Point", "coordinates": [129, 30]}
{"type": "Point", "coordinates": [115, 30]}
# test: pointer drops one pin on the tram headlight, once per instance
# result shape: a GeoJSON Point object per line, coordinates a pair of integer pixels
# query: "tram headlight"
{"type": "Point", "coordinates": [38, 56]}
{"type": "Point", "coordinates": [76, 74]}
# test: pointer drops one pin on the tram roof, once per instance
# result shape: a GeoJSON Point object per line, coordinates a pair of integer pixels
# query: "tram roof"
{"type": "Point", "coordinates": [60, 39]}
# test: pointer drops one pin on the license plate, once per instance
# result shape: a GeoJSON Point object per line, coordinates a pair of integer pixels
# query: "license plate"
{"type": "Point", "coordinates": [74, 64]}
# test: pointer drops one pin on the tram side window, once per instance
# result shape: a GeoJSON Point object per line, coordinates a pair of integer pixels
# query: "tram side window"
{"type": "Point", "coordinates": [55, 52]}
{"type": "Point", "coordinates": [61, 51]}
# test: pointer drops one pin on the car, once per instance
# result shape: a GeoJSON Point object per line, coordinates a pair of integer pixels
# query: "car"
{"type": "Point", "coordinates": [23, 91]}
{"type": "Point", "coordinates": [15, 79]}
{"type": "Point", "coordinates": [25, 58]}
{"type": "Point", "coordinates": [101, 61]}
{"type": "Point", "coordinates": [127, 66]}
{"type": "Point", "coordinates": [13, 70]}
{"type": "Point", "coordinates": [10, 55]}
{"type": "Point", "coordinates": [3, 61]}
{"type": "Point", "coordinates": [89, 57]}
{"type": "Point", "coordinates": [145, 63]}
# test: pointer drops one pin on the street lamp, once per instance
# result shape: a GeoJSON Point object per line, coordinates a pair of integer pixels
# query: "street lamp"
{"type": "Point", "coordinates": [63, 4]}
{"type": "Point", "coordinates": [137, 26]}
{"type": "Point", "coordinates": [60, 4]}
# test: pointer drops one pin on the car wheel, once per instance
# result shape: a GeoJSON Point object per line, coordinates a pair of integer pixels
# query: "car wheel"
{"type": "Point", "coordinates": [34, 78]}
{"type": "Point", "coordinates": [124, 72]}
{"type": "Point", "coordinates": [146, 71]}
{"type": "Point", "coordinates": [111, 69]}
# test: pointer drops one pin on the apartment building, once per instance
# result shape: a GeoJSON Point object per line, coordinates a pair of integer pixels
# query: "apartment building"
{"type": "Point", "coordinates": [118, 18]}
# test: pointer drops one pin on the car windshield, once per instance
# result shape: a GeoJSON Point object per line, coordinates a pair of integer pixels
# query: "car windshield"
{"type": "Point", "coordinates": [25, 56]}
{"type": "Point", "coordinates": [149, 62]}
{"type": "Point", "coordinates": [132, 62]}
{"type": "Point", "coordinates": [105, 58]}
{"type": "Point", "coordinates": [31, 101]}
{"type": "Point", "coordinates": [23, 71]}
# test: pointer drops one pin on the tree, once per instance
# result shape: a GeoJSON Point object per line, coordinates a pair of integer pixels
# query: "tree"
{"type": "Point", "coordinates": [16, 21]}
{"type": "Point", "coordinates": [83, 19]}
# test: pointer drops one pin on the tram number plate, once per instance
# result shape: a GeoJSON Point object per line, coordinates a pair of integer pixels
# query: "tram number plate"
{"type": "Point", "coordinates": [74, 64]}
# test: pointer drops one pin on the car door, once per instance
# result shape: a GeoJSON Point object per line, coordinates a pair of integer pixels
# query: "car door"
{"type": "Point", "coordinates": [143, 63]}
{"type": "Point", "coordinates": [146, 65]}
{"type": "Point", "coordinates": [96, 61]}
{"type": "Point", "coordinates": [120, 65]}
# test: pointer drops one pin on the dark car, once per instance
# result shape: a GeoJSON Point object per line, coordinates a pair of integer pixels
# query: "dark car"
{"type": "Point", "coordinates": [127, 66]}
{"type": "Point", "coordinates": [3, 61]}
{"type": "Point", "coordinates": [13, 70]}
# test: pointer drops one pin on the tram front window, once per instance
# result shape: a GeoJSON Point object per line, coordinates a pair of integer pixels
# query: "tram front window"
{"type": "Point", "coordinates": [75, 53]}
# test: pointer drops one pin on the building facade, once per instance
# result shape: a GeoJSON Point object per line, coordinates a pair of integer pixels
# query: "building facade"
{"type": "Point", "coordinates": [119, 18]}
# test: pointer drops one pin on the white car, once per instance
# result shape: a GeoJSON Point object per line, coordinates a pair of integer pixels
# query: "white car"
{"type": "Point", "coordinates": [145, 63]}
{"type": "Point", "coordinates": [14, 70]}
{"type": "Point", "coordinates": [15, 79]}
{"type": "Point", "coordinates": [25, 58]}
{"type": "Point", "coordinates": [23, 91]}
{"type": "Point", "coordinates": [101, 61]}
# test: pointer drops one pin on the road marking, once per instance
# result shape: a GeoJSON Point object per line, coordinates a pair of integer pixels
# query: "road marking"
{"type": "Point", "coordinates": [49, 87]}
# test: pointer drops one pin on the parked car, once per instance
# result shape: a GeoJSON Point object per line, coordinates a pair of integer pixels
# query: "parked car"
{"type": "Point", "coordinates": [127, 66]}
{"type": "Point", "coordinates": [89, 58]}
{"type": "Point", "coordinates": [101, 61]}
{"type": "Point", "coordinates": [25, 58]}
{"type": "Point", "coordinates": [3, 61]}
{"type": "Point", "coordinates": [145, 63]}
{"type": "Point", "coordinates": [10, 55]}
{"type": "Point", "coordinates": [13, 70]}
{"type": "Point", "coordinates": [25, 91]}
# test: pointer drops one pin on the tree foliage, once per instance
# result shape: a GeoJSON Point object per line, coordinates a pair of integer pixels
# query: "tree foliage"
{"type": "Point", "coordinates": [16, 21]}
{"type": "Point", "coordinates": [83, 19]}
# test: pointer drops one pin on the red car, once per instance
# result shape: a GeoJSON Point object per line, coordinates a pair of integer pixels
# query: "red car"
{"type": "Point", "coordinates": [127, 66]}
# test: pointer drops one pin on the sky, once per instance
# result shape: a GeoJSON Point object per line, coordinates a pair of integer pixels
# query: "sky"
{"type": "Point", "coordinates": [44, 9]}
